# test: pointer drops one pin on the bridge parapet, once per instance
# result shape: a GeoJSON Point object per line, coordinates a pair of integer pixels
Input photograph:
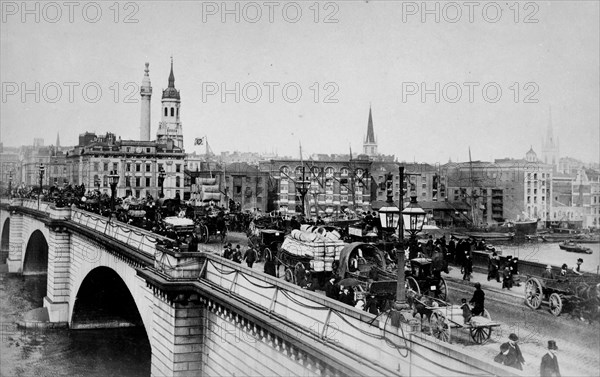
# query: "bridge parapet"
{"type": "Point", "coordinates": [138, 238]}
{"type": "Point", "coordinates": [325, 331]}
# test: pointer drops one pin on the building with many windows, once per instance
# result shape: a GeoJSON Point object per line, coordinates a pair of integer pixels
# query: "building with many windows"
{"type": "Point", "coordinates": [138, 164]}
{"type": "Point", "coordinates": [329, 187]}
{"type": "Point", "coordinates": [507, 189]}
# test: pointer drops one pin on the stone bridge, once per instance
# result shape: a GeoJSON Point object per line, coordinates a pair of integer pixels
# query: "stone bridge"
{"type": "Point", "coordinates": [203, 314]}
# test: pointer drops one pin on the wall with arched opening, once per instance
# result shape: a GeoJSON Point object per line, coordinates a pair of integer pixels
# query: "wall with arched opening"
{"type": "Point", "coordinates": [36, 254]}
{"type": "Point", "coordinates": [5, 241]}
{"type": "Point", "coordinates": [103, 300]}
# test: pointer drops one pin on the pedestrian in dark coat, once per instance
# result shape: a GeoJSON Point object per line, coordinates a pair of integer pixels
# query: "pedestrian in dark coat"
{"type": "Point", "coordinates": [477, 300]}
{"type": "Point", "coordinates": [236, 256]}
{"type": "Point", "coordinates": [549, 366]}
{"type": "Point", "coordinates": [452, 250]}
{"type": "Point", "coordinates": [371, 305]}
{"type": "Point", "coordinates": [494, 267]}
{"type": "Point", "coordinates": [506, 278]}
{"type": "Point", "coordinates": [331, 289]}
{"type": "Point", "coordinates": [250, 256]}
{"type": "Point", "coordinates": [514, 357]}
{"type": "Point", "coordinates": [467, 267]}
{"type": "Point", "coordinates": [347, 297]}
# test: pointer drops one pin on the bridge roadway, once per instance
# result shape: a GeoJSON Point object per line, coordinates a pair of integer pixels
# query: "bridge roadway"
{"type": "Point", "coordinates": [207, 315]}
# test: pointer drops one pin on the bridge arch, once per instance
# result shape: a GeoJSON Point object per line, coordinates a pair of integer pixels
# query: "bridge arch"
{"type": "Point", "coordinates": [103, 299]}
{"type": "Point", "coordinates": [36, 254]}
{"type": "Point", "coordinates": [5, 241]}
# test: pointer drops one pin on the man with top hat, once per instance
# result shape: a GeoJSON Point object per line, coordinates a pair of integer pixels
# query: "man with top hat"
{"type": "Point", "coordinates": [514, 357]}
{"type": "Point", "coordinates": [549, 366]}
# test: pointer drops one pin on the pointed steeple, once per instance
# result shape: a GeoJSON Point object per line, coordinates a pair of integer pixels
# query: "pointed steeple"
{"type": "Point", "coordinates": [370, 133]}
{"type": "Point", "coordinates": [171, 76]}
{"type": "Point", "coordinates": [171, 92]}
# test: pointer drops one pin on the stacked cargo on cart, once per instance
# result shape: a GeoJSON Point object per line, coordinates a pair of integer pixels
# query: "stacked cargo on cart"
{"type": "Point", "coordinates": [311, 250]}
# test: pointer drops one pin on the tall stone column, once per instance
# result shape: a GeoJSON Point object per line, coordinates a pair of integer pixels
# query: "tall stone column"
{"type": "Point", "coordinates": [177, 336]}
{"type": "Point", "coordinates": [15, 244]}
{"type": "Point", "coordinates": [58, 287]}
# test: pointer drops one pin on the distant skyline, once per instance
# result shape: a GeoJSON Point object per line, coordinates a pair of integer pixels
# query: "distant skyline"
{"type": "Point", "coordinates": [377, 54]}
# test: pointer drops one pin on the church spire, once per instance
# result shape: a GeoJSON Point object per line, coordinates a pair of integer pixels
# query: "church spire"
{"type": "Point", "coordinates": [171, 76]}
{"type": "Point", "coordinates": [370, 144]}
{"type": "Point", "coordinates": [370, 132]}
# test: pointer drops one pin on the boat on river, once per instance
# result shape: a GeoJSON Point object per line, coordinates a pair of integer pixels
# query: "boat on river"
{"type": "Point", "coordinates": [525, 227]}
{"type": "Point", "coordinates": [574, 247]}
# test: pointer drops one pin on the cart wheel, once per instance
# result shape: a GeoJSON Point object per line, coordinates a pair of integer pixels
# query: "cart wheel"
{"type": "Point", "coordinates": [480, 335]}
{"type": "Point", "coordinates": [439, 328]}
{"type": "Point", "coordinates": [411, 283]}
{"type": "Point", "coordinates": [442, 289]}
{"type": "Point", "coordinates": [556, 304]}
{"type": "Point", "coordinates": [533, 293]}
{"type": "Point", "coordinates": [205, 234]}
{"type": "Point", "coordinates": [289, 276]}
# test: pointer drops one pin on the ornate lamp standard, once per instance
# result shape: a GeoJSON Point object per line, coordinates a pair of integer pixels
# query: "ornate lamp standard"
{"type": "Point", "coordinates": [302, 185]}
{"type": "Point", "coordinates": [41, 173]}
{"type": "Point", "coordinates": [113, 180]}
{"type": "Point", "coordinates": [161, 179]}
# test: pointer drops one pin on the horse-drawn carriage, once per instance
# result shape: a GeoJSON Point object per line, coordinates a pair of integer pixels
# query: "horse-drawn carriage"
{"type": "Point", "coordinates": [211, 222]}
{"type": "Point", "coordinates": [422, 279]}
{"type": "Point", "coordinates": [579, 294]}
{"type": "Point", "coordinates": [266, 241]}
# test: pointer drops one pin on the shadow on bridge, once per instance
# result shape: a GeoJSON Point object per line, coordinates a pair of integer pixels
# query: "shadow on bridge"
{"type": "Point", "coordinates": [104, 301]}
{"type": "Point", "coordinates": [36, 255]}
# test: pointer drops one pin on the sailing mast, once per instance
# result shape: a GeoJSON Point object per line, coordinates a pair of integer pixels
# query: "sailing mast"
{"type": "Point", "coordinates": [471, 180]}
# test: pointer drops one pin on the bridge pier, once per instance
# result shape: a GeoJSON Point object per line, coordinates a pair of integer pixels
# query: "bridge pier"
{"type": "Point", "coordinates": [178, 335]}
{"type": "Point", "coordinates": [59, 259]}
{"type": "Point", "coordinates": [15, 245]}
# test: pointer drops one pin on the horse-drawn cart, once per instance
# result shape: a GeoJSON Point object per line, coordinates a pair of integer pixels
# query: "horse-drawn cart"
{"type": "Point", "coordinates": [565, 294]}
{"type": "Point", "coordinates": [443, 317]}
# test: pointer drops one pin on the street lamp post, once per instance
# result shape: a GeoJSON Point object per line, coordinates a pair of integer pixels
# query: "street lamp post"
{"type": "Point", "coordinates": [10, 184]}
{"type": "Point", "coordinates": [161, 179]}
{"type": "Point", "coordinates": [42, 171]}
{"type": "Point", "coordinates": [302, 186]}
{"type": "Point", "coordinates": [113, 181]}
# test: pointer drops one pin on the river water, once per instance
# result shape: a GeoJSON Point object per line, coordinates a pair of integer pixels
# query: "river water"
{"type": "Point", "coordinates": [62, 352]}
{"type": "Point", "coordinates": [550, 253]}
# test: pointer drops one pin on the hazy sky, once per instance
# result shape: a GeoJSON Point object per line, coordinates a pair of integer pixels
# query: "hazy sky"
{"type": "Point", "coordinates": [382, 53]}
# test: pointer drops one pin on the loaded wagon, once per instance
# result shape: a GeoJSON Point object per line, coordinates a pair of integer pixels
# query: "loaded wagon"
{"type": "Point", "coordinates": [315, 253]}
{"type": "Point", "coordinates": [579, 294]}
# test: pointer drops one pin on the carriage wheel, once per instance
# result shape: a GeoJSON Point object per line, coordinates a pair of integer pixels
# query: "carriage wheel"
{"type": "Point", "coordinates": [556, 304]}
{"type": "Point", "coordinates": [205, 233]}
{"type": "Point", "coordinates": [533, 293]}
{"type": "Point", "coordinates": [202, 234]}
{"type": "Point", "coordinates": [289, 276]}
{"type": "Point", "coordinates": [411, 283]}
{"type": "Point", "coordinates": [439, 328]}
{"type": "Point", "coordinates": [480, 335]}
{"type": "Point", "coordinates": [442, 289]}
